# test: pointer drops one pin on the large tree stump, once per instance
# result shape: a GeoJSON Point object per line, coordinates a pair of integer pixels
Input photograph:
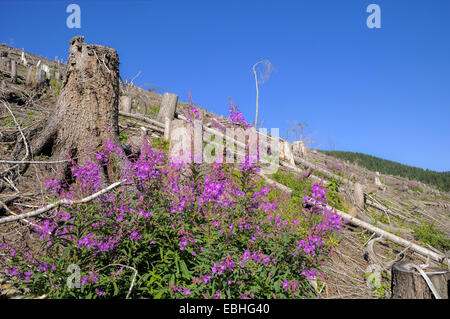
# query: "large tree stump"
{"type": "Point", "coordinates": [168, 107]}
{"type": "Point", "coordinates": [86, 114]}
{"type": "Point", "coordinates": [407, 283]}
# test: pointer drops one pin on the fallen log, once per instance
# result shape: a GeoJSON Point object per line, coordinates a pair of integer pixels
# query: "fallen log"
{"type": "Point", "coordinates": [60, 202]}
{"type": "Point", "coordinates": [142, 118]}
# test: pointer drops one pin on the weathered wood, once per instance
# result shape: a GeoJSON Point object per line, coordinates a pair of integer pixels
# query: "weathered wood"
{"type": "Point", "coordinates": [286, 153]}
{"type": "Point", "coordinates": [197, 142]}
{"type": "Point", "coordinates": [29, 80]}
{"type": "Point", "coordinates": [143, 118]}
{"type": "Point", "coordinates": [180, 144]}
{"type": "Point", "coordinates": [408, 283]}
{"type": "Point", "coordinates": [299, 149]}
{"type": "Point", "coordinates": [40, 78]}
{"type": "Point", "coordinates": [167, 129]}
{"type": "Point", "coordinates": [13, 71]}
{"type": "Point", "coordinates": [60, 202]}
{"type": "Point", "coordinates": [168, 107]}
{"type": "Point", "coordinates": [125, 104]}
{"type": "Point", "coordinates": [86, 114]}
{"type": "Point", "coordinates": [358, 194]}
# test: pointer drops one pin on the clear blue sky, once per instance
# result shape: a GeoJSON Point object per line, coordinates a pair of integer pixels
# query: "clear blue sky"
{"type": "Point", "coordinates": [384, 92]}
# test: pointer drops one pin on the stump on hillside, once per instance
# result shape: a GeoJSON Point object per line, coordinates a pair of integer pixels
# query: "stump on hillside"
{"type": "Point", "coordinates": [186, 141]}
{"type": "Point", "coordinates": [168, 107]}
{"type": "Point", "coordinates": [13, 71]}
{"type": "Point", "coordinates": [39, 78]}
{"type": "Point", "coordinates": [86, 114]}
{"type": "Point", "coordinates": [358, 194]}
{"type": "Point", "coordinates": [125, 103]}
{"type": "Point", "coordinates": [29, 79]}
{"type": "Point", "coordinates": [407, 283]}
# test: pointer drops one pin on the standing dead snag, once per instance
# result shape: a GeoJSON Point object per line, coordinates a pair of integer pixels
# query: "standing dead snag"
{"type": "Point", "coordinates": [86, 113]}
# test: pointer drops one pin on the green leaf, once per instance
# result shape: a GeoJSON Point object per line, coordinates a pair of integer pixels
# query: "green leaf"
{"type": "Point", "coordinates": [116, 289]}
{"type": "Point", "coordinates": [184, 269]}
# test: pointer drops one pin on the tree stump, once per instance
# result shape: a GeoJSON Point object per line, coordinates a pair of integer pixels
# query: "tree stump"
{"type": "Point", "coordinates": [167, 129]}
{"type": "Point", "coordinates": [39, 79]}
{"type": "Point", "coordinates": [13, 71]}
{"type": "Point", "coordinates": [358, 194]}
{"type": "Point", "coordinates": [181, 140]}
{"type": "Point", "coordinates": [168, 107]}
{"type": "Point", "coordinates": [86, 114]}
{"type": "Point", "coordinates": [29, 80]}
{"type": "Point", "coordinates": [299, 149]}
{"type": "Point", "coordinates": [286, 153]}
{"type": "Point", "coordinates": [125, 103]}
{"type": "Point", "coordinates": [407, 283]}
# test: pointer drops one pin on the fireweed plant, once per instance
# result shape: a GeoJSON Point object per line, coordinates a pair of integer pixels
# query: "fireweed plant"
{"type": "Point", "coordinates": [189, 231]}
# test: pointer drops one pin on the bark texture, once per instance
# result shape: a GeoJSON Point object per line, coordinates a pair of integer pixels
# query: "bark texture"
{"type": "Point", "coordinates": [86, 114]}
{"type": "Point", "coordinates": [409, 284]}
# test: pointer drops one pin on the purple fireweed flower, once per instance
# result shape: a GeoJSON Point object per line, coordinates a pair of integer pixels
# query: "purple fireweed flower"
{"type": "Point", "coordinates": [99, 292]}
{"type": "Point", "coordinates": [310, 274]}
{"type": "Point", "coordinates": [92, 278]}
{"type": "Point", "coordinates": [286, 285]}
{"type": "Point", "coordinates": [11, 272]}
{"type": "Point", "coordinates": [134, 236]}
{"type": "Point", "coordinates": [27, 275]}
{"type": "Point", "coordinates": [206, 279]}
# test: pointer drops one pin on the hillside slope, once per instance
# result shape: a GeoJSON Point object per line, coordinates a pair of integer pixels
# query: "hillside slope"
{"type": "Point", "coordinates": [414, 211]}
{"type": "Point", "coordinates": [439, 179]}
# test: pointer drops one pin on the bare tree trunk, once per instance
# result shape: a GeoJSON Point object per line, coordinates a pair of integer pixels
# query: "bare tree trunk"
{"type": "Point", "coordinates": [86, 113]}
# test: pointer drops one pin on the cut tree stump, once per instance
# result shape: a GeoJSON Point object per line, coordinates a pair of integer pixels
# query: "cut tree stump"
{"type": "Point", "coordinates": [407, 283]}
{"type": "Point", "coordinates": [86, 114]}
{"type": "Point", "coordinates": [13, 71]}
{"type": "Point", "coordinates": [168, 107]}
{"type": "Point", "coordinates": [29, 80]}
{"type": "Point", "coordinates": [39, 79]}
{"type": "Point", "coordinates": [358, 194]}
{"type": "Point", "coordinates": [125, 104]}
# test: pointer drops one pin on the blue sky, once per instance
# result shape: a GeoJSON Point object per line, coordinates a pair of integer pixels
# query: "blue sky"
{"type": "Point", "coordinates": [384, 92]}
